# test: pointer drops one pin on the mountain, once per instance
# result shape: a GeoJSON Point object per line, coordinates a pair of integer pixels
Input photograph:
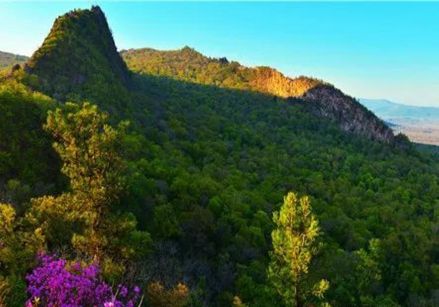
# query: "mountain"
{"type": "Point", "coordinates": [387, 110]}
{"type": "Point", "coordinates": [79, 57]}
{"type": "Point", "coordinates": [9, 59]}
{"type": "Point", "coordinates": [202, 162]}
{"type": "Point", "coordinates": [420, 124]}
{"type": "Point", "coordinates": [189, 65]}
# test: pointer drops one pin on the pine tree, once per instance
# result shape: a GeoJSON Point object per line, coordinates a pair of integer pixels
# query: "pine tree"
{"type": "Point", "coordinates": [91, 152]}
{"type": "Point", "coordinates": [294, 245]}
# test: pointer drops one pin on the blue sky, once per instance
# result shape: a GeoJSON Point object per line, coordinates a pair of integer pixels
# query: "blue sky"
{"type": "Point", "coordinates": [373, 50]}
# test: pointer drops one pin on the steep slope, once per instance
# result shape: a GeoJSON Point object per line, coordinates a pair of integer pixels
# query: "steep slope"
{"type": "Point", "coordinates": [79, 57]}
{"type": "Point", "coordinates": [8, 59]}
{"type": "Point", "coordinates": [348, 113]}
{"type": "Point", "coordinates": [189, 65]}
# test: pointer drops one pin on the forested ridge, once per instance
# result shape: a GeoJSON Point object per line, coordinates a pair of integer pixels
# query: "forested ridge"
{"type": "Point", "coordinates": [145, 186]}
{"type": "Point", "coordinates": [326, 101]}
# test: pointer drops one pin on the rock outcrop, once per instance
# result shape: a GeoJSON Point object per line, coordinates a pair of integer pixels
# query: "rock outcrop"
{"type": "Point", "coordinates": [349, 114]}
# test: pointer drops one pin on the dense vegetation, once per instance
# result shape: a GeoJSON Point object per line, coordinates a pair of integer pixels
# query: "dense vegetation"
{"type": "Point", "coordinates": [189, 65]}
{"type": "Point", "coordinates": [323, 99]}
{"type": "Point", "coordinates": [185, 200]}
{"type": "Point", "coordinates": [79, 59]}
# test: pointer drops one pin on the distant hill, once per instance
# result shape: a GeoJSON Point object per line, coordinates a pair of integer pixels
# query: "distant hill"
{"type": "Point", "coordinates": [9, 59]}
{"type": "Point", "coordinates": [420, 124]}
{"type": "Point", "coordinates": [387, 109]}
{"type": "Point", "coordinates": [187, 64]}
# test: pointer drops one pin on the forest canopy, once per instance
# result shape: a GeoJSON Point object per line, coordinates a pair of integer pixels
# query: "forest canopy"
{"type": "Point", "coordinates": [158, 191]}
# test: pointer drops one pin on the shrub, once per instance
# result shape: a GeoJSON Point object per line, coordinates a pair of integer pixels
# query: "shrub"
{"type": "Point", "coordinates": [56, 282]}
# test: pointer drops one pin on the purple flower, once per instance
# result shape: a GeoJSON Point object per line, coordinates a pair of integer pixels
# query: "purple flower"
{"type": "Point", "coordinates": [55, 283]}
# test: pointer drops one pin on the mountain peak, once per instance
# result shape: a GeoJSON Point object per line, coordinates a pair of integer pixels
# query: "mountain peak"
{"type": "Point", "coordinates": [96, 9]}
{"type": "Point", "coordinates": [78, 54]}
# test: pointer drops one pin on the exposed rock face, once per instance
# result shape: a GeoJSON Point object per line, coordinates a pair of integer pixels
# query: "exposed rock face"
{"type": "Point", "coordinates": [78, 54]}
{"type": "Point", "coordinates": [269, 80]}
{"type": "Point", "coordinates": [350, 115]}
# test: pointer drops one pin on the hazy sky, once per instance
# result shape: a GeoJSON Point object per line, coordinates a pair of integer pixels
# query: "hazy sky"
{"type": "Point", "coordinates": [374, 50]}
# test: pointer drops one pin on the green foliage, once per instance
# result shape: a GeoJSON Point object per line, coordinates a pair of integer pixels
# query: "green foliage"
{"type": "Point", "coordinates": [28, 165]}
{"type": "Point", "coordinates": [294, 244]}
{"type": "Point", "coordinates": [201, 168]}
{"type": "Point", "coordinates": [187, 64]}
{"type": "Point", "coordinates": [81, 37]}
{"type": "Point", "coordinates": [91, 153]}
{"type": "Point", "coordinates": [19, 244]}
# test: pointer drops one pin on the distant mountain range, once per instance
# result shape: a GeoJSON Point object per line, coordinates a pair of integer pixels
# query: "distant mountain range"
{"type": "Point", "coordinates": [387, 110]}
{"type": "Point", "coordinates": [9, 59]}
{"type": "Point", "coordinates": [420, 124]}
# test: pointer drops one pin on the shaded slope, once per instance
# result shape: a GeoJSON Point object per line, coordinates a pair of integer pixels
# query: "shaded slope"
{"type": "Point", "coordinates": [28, 163]}
{"type": "Point", "coordinates": [189, 65]}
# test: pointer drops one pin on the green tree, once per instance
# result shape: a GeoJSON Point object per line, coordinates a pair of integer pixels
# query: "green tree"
{"type": "Point", "coordinates": [294, 245]}
{"type": "Point", "coordinates": [18, 246]}
{"type": "Point", "coordinates": [91, 152]}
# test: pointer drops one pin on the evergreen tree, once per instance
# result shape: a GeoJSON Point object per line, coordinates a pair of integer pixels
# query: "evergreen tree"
{"type": "Point", "coordinates": [91, 151]}
{"type": "Point", "coordinates": [294, 245]}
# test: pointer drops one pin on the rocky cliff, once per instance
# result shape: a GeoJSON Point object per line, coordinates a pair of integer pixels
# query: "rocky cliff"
{"type": "Point", "coordinates": [350, 115]}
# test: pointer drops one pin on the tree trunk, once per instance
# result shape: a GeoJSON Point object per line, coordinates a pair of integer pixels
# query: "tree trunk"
{"type": "Point", "coordinates": [298, 301]}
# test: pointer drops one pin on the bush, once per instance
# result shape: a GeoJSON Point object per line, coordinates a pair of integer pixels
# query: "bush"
{"type": "Point", "coordinates": [56, 282]}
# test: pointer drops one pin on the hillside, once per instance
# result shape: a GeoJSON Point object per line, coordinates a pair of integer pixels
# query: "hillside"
{"type": "Point", "coordinates": [9, 59]}
{"type": "Point", "coordinates": [420, 124]}
{"type": "Point", "coordinates": [180, 201]}
{"type": "Point", "coordinates": [79, 59]}
{"type": "Point", "coordinates": [189, 65]}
